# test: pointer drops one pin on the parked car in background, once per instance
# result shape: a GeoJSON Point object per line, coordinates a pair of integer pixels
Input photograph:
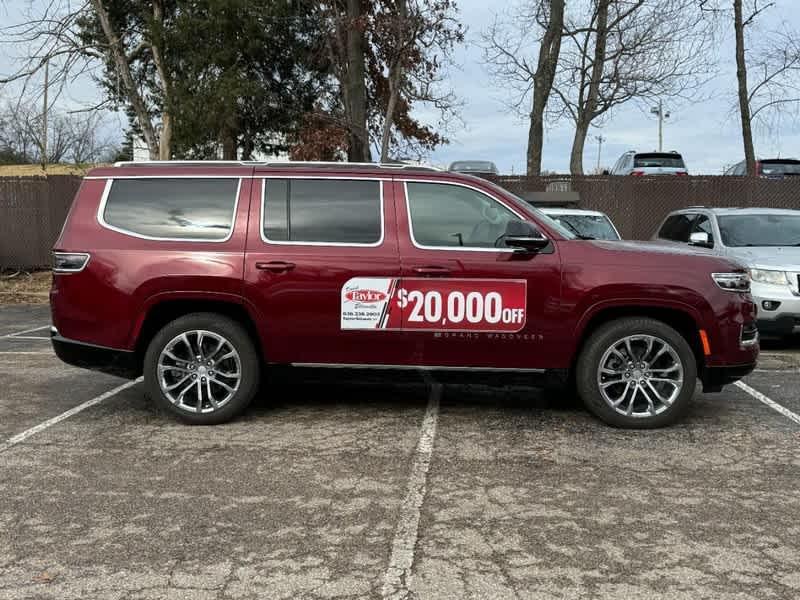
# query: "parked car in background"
{"type": "Point", "coordinates": [769, 168]}
{"type": "Point", "coordinates": [474, 167]}
{"type": "Point", "coordinates": [588, 224]}
{"type": "Point", "coordinates": [649, 163]}
{"type": "Point", "coordinates": [766, 241]}
{"type": "Point", "coordinates": [199, 275]}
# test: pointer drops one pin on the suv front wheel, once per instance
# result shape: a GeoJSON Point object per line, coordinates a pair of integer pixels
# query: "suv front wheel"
{"type": "Point", "coordinates": [637, 373]}
{"type": "Point", "coordinates": [202, 367]}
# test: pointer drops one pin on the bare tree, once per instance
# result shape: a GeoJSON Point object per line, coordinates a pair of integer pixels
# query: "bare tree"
{"type": "Point", "coordinates": [612, 52]}
{"type": "Point", "coordinates": [503, 51]}
{"type": "Point", "coordinates": [60, 35]}
{"type": "Point", "coordinates": [413, 39]}
{"type": "Point", "coordinates": [767, 72]}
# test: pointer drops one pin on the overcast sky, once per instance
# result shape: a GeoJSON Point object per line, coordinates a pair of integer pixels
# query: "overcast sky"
{"type": "Point", "coordinates": [706, 133]}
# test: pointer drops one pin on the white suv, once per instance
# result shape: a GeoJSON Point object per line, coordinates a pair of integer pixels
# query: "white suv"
{"type": "Point", "coordinates": [767, 241]}
{"type": "Point", "coordinates": [649, 163]}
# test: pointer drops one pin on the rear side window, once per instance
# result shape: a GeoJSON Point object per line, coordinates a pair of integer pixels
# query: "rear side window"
{"type": "Point", "coordinates": [323, 211]}
{"type": "Point", "coordinates": [655, 159]}
{"type": "Point", "coordinates": [676, 228]}
{"type": "Point", "coordinates": [172, 209]}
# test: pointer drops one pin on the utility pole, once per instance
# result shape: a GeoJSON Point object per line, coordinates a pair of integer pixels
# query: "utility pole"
{"type": "Point", "coordinates": [44, 113]}
{"type": "Point", "coordinates": [600, 139]}
{"type": "Point", "coordinates": [659, 111]}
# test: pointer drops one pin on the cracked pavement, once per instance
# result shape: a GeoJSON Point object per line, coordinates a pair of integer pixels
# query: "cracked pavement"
{"type": "Point", "coordinates": [525, 496]}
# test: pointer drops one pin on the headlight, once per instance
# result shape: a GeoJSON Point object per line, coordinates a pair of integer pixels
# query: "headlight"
{"type": "Point", "coordinates": [732, 282]}
{"type": "Point", "coordinates": [771, 277]}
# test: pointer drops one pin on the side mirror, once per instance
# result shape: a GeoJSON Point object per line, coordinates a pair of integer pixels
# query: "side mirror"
{"type": "Point", "coordinates": [701, 239]}
{"type": "Point", "coordinates": [524, 237]}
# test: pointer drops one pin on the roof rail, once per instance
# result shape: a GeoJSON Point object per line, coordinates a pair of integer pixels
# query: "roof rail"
{"type": "Point", "coordinates": [274, 164]}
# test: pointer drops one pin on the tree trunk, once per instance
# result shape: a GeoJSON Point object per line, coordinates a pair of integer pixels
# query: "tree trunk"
{"type": "Point", "coordinates": [165, 139]}
{"type": "Point", "coordinates": [588, 111]}
{"type": "Point", "coordinates": [744, 99]}
{"type": "Point", "coordinates": [124, 71]}
{"type": "Point", "coordinates": [549, 50]}
{"type": "Point", "coordinates": [358, 150]}
{"type": "Point", "coordinates": [578, 143]}
{"type": "Point", "coordinates": [395, 76]}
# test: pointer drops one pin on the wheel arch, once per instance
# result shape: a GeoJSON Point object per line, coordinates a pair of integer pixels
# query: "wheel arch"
{"type": "Point", "coordinates": [161, 311]}
{"type": "Point", "coordinates": [681, 318]}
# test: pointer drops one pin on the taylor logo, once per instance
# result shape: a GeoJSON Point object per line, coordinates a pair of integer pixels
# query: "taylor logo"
{"type": "Point", "coordinates": [366, 296]}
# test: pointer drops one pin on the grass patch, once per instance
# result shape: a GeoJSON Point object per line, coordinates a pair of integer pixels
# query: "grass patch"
{"type": "Point", "coordinates": [25, 288]}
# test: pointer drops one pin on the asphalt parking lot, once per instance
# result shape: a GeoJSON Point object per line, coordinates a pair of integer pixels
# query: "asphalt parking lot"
{"type": "Point", "coordinates": [329, 489]}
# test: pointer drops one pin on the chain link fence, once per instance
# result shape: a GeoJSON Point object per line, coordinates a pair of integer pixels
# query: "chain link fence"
{"type": "Point", "coordinates": [638, 205]}
{"type": "Point", "coordinates": [33, 209]}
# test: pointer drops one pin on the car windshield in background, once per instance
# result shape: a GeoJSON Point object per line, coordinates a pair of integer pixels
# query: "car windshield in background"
{"type": "Point", "coordinates": [669, 161]}
{"type": "Point", "coordinates": [597, 227]}
{"type": "Point", "coordinates": [478, 166]}
{"type": "Point", "coordinates": [760, 230]}
{"type": "Point", "coordinates": [771, 168]}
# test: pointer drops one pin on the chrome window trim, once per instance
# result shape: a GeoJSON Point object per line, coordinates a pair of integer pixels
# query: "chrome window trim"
{"type": "Point", "coordinates": [104, 200]}
{"type": "Point", "coordinates": [416, 244]}
{"type": "Point", "coordinates": [270, 242]}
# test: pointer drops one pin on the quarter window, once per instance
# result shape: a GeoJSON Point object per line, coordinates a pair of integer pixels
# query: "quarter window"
{"type": "Point", "coordinates": [332, 211]}
{"type": "Point", "coordinates": [454, 216]}
{"type": "Point", "coordinates": [181, 209]}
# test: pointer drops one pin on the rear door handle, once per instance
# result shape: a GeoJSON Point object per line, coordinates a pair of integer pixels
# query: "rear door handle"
{"type": "Point", "coordinates": [432, 271]}
{"type": "Point", "coordinates": [275, 266]}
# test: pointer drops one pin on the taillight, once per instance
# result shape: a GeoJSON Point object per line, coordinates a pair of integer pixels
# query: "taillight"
{"type": "Point", "coordinates": [684, 173]}
{"type": "Point", "coordinates": [637, 173]}
{"type": "Point", "coordinates": [69, 262]}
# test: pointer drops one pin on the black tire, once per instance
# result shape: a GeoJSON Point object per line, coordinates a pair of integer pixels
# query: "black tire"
{"type": "Point", "coordinates": [602, 340]}
{"type": "Point", "coordinates": [236, 336]}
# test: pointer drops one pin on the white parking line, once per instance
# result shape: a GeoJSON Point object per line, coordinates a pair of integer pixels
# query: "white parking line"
{"type": "Point", "coordinates": [397, 578]}
{"type": "Point", "coordinates": [769, 402]}
{"type": "Point", "coordinates": [18, 333]}
{"type": "Point", "coordinates": [21, 437]}
{"type": "Point", "coordinates": [47, 352]}
{"type": "Point", "coordinates": [27, 337]}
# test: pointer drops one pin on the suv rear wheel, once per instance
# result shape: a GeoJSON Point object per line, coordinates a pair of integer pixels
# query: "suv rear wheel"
{"type": "Point", "coordinates": [637, 373]}
{"type": "Point", "coordinates": [202, 367]}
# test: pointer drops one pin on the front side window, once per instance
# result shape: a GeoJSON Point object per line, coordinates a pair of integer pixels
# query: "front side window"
{"type": "Point", "coordinates": [453, 216]}
{"type": "Point", "coordinates": [676, 228]}
{"type": "Point", "coordinates": [179, 209]}
{"type": "Point", "coordinates": [323, 211]}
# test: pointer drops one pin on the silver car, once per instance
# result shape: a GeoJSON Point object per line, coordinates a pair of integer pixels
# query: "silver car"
{"type": "Point", "coordinates": [766, 241]}
{"type": "Point", "coordinates": [648, 164]}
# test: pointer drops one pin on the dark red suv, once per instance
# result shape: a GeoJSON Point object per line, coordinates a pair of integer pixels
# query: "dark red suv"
{"type": "Point", "coordinates": [197, 275]}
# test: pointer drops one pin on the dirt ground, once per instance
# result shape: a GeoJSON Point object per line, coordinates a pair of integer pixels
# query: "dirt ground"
{"type": "Point", "coordinates": [24, 288]}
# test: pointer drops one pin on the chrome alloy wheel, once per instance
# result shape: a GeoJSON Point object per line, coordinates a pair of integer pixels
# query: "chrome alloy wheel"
{"type": "Point", "coordinates": [199, 371]}
{"type": "Point", "coordinates": [640, 376]}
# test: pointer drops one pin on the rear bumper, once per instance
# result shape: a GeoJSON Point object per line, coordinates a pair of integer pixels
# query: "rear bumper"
{"type": "Point", "coordinates": [714, 378]}
{"type": "Point", "coordinates": [122, 363]}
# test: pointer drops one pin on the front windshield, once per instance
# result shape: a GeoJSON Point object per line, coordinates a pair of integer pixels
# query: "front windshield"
{"type": "Point", "coordinates": [760, 230]}
{"type": "Point", "coordinates": [597, 227]}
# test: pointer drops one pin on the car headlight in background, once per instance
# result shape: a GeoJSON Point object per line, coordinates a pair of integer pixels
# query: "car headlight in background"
{"type": "Point", "coordinates": [771, 277]}
{"type": "Point", "coordinates": [732, 282]}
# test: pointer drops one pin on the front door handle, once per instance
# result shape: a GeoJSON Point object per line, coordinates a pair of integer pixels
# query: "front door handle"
{"type": "Point", "coordinates": [275, 266]}
{"type": "Point", "coordinates": [432, 271]}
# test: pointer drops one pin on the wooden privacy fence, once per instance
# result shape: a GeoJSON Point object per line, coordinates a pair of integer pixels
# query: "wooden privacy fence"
{"type": "Point", "coordinates": [33, 209]}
